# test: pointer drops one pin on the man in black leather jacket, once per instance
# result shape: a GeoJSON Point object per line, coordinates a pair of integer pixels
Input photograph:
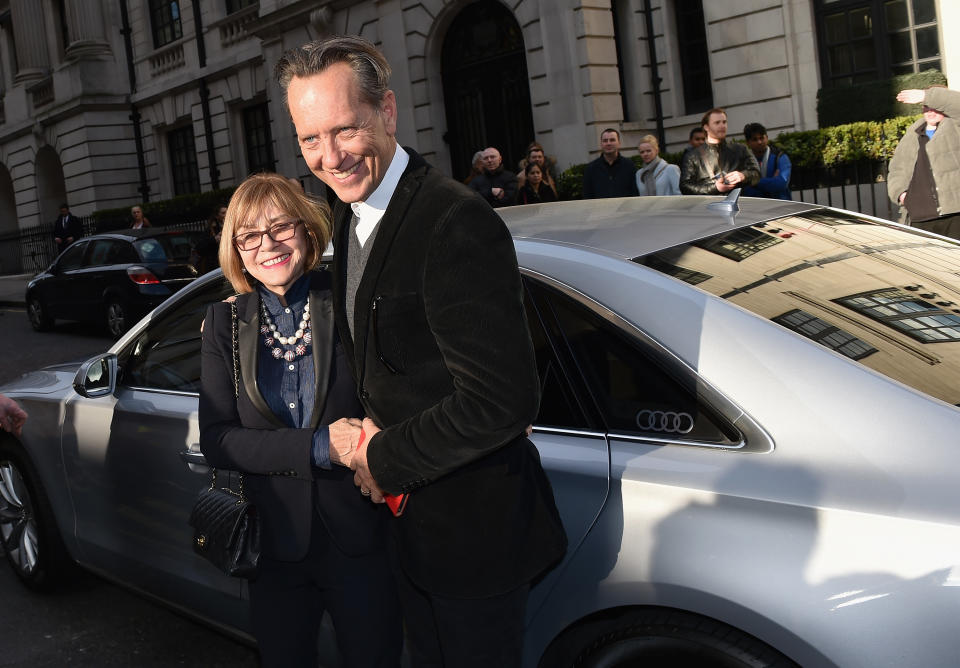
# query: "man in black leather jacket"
{"type": "Point", "coordinates": [717, 166]}
{"type": "Point", "coordinates": [496, 185]}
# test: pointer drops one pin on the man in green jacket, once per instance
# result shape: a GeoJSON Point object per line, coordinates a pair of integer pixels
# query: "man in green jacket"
{"type": "Point", "coordinates": [924, 174]}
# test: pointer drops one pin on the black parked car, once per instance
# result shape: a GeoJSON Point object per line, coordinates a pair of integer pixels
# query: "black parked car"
{"type": "Point", "coordinates": [114, 278]}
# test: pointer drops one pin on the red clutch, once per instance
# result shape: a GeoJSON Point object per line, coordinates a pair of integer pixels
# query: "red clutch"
{"type": "Point", "coordinates": [395, 502]}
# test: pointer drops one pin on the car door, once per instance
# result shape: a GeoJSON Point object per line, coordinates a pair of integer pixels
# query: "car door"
{"type": "Point", "coordinates": [67, 286]}
{"type": "Point", "coordinates": [135, 466]}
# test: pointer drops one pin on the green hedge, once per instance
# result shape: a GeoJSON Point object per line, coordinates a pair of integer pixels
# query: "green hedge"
{"type": "Point", "coordinates": [180, 209]}
{"type": "Point", "coordinates": [871, 101]}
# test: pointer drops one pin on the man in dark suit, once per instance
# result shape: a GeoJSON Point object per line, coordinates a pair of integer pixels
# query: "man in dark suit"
{"type": "Point", "coordinates": [67, 228]}
{"type": "Point", "coordinates": [428, 303]}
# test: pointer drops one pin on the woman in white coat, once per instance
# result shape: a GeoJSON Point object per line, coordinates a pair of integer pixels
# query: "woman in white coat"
{"type": "Point", "coordinates": [657, 176]}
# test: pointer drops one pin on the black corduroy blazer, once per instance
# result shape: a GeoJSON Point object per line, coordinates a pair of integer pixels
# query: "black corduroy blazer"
{"type": "Point", "coordinates": [445, 366]}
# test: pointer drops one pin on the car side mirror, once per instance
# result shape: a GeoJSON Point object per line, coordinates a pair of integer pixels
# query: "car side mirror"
{"type": "Point", "coordinates": [97, 377]}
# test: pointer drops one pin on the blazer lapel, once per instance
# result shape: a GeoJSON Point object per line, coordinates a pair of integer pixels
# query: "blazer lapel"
{"type": "Point", "coordinates": [338, 273]}
{"type": "Point", "coordinates": [387, 230]}
{"type": "Point", "coordinates": [248, 339]}
{"type": "Point", "coordinates": [321, 327]}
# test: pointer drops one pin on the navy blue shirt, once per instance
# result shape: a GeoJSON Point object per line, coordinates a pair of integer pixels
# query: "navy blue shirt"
{"type": "Point", "coordinates": [290, 388]}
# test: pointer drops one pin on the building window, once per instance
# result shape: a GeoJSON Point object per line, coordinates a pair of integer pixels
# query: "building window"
{"type": "Point", "coordinates": [821, 331]}
{"type": "Point", "coordinates": [165, 21]}
{"type": "Point", "coordinates": [911, 314]}
{"type": "Point", "coordinates": [866, 40]}
{"type": "Point", "coordinates": [237, 5]}
{"type": "Point", "coordinates": [694, 56]}
{"type": "Point", "coordinates": [686, 275]}
{"type": "Point", "coordinates": [183, 161]}
{"type": "Point", "coordinates": [739, 244]}
{"type": "Point", "coordinates": [256, 132]}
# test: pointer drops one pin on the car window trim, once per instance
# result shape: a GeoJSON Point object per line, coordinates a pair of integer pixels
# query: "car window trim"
{"type": "Point", "coordinates": [569, 431]}
{"type": "Point", "coordinates": [753, 438]}
{"type": "Point", "coordinates": [160, 390]}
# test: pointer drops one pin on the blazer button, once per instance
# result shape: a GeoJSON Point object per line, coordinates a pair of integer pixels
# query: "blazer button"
{"type": "Point", "coordinates": [364, 394]}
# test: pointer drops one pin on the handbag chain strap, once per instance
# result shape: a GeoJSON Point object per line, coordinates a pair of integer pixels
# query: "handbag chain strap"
{"type": "Point", "coordinates": [235, 336]}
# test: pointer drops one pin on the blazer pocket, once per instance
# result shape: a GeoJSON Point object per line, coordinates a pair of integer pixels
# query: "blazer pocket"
{"type": "Point", "coordinates": [395, 320]}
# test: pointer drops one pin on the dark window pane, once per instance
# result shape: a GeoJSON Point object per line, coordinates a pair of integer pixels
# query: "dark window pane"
{"type": "Point", "coordinates": [694, 56]}
{"type": "Point", "coordinates": [924, 11]}
{"type": "Point", "coordinates": [839, 59]}
{"type": "Point", "coordinates": [930, 65]}
{"type": "Point", "coordinates": [928, 42]}
{"type": "Point", "coordinates": [903, 69]}
{"type": "Point", "coordinates": [72, 258]}
{"type": "Point", "coordinates": [558, 405]}
{"type": "Point", "coordinates": [896, 13]}
{"type": "Point", "coordinates": [864, 57]}
{"type": "Point", "coordinates": [835, 28]}
{"type": "Point", "coordinates": [900, 50]}
{"type": "Point", "coordinates": [167, 354]}
{"type": "Point", "coordinates": [256, 131]}
{"type": "Point", "coordinates": [237, 5]}
{"type": "Point", "coordinates": [183, 161]}
{"type": "Point", "coordinates": [861, 23]}
{"type": "Point", "coordinates": [635, 394]}
{"type": "Point", "coordinates": [165, 22]}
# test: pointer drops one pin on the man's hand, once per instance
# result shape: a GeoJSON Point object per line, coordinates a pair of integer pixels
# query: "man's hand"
{"type": "Point", "coordinates": [723, 186]}
{"type": "Point", "coordinates": [344, 438]}
{"type": "Point", "coordinates": [911, 96]}
{"type": "Point", "coordinates": [735, 178]}
{"type": "Point", "coordinates": [497, 192]}
{"type": "Point", "coordinates": [902, 197]}
{"type": "Point", "coordinates": [12, 417]}
{"type": "Point", "coordinates": [362, 477]}
{"type": "Point", "coordinates": [58, 240]}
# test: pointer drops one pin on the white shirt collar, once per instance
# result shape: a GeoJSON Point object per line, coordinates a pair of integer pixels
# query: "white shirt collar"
{"type": "Point", "coordinates": [370, 211]}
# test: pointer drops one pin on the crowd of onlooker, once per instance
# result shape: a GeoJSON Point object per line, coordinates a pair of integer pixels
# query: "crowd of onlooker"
{"type": "Point", "coordinates": [924, 173]}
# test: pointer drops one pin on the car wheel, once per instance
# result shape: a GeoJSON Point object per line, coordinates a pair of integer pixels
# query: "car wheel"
{"type": "Point", "coordinates": [40, 319]}
{"type": "Point", "coordinates": [679, 640]}
{"type": "Point", "coordinates": [28, 532]}
{"type": "Point", "coordinates": [117, 318]}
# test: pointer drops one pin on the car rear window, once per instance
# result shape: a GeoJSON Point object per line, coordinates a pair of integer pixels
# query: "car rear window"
{"type": "Point", "coordinates": [166, 248]}
{"type": "Point", "coordinates": [885, 296]}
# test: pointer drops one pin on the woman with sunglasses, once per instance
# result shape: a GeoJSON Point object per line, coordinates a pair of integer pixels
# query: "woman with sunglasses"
{"type": "Point", "coordinates": [285, 430]}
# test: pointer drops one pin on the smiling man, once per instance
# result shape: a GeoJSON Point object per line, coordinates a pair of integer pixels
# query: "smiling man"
{"type": "Point", "coordinates": [717, 166]}
{"type": "Point", "coordinates": [428, 304]}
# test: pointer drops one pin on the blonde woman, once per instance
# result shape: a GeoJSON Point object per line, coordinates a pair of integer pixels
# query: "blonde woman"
{"type": "Point", "coordinates": [322, 542]}
{"type": "Point", "coordinates": [137, 219]}
{"type": "Point", "coordinates": [657, 176]}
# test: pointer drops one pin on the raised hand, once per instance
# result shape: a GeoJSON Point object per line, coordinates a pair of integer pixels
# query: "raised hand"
{"type": "Point", "coordinates": [911, 96]}
{"type": "Point", "coordinates": [344, 439]}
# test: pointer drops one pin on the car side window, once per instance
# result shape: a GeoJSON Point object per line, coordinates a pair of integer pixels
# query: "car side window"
{"type": "Point", "coordinates": [73, 257]}
{"type": "Point", "coordinates": [559, 405]}
{"type": "Point", "coordinates": [99, 252]}
{"type": "Point", "coordinates": [166, 355]}
{"type": "Point", "coordinates": [635, 392]}
{"type": "Point", "coordinates": [121, 252]}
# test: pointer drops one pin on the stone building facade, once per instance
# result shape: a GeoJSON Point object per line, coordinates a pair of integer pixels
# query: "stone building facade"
{"type": "Point", "coordinates": [107, 103]}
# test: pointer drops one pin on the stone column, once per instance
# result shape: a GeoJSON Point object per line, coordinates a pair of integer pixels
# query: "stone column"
{"type": "Point", "coordinates": [86, 28]}
{"type": "Point", "coordinates": [33, 61]}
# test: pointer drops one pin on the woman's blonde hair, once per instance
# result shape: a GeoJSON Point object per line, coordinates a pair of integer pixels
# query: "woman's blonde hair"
{"type": "Point", "coordinates": [247, 207]}
{"type": "Point", "coordinates": [650, 139]}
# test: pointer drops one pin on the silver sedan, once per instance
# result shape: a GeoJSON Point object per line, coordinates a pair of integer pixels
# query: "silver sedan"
{"type": "Point", "coordinates": [749, 417]}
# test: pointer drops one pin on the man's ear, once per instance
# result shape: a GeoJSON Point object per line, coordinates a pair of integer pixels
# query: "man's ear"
{"type": "Point", "coordinates": [388, 111]}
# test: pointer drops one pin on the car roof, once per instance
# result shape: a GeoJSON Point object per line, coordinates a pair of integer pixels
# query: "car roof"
{"type": "Point", "coordinates": [611, 225]}
{"type": "Point", "coordinates": [133, 235]}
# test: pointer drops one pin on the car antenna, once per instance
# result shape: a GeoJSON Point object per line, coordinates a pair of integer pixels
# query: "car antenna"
{"type": "Point", "coordinates": [730, 204]}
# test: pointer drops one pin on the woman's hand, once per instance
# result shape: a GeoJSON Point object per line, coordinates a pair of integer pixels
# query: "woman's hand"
{"type": "Point", "coordinates": [344, 438]}
{"type": "Point", "coordinates": [12, 417]}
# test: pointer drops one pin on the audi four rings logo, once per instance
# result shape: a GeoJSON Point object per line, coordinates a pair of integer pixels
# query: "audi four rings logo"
{"type": "Point", "coordinates": [668, 421]}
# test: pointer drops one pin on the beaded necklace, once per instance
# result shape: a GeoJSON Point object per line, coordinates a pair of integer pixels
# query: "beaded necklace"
{"type": "Point", "coordinates": [269, 330]}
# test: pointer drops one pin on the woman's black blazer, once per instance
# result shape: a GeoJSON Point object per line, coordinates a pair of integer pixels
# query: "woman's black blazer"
{"type": "Point", "coordinates": [243, 434]}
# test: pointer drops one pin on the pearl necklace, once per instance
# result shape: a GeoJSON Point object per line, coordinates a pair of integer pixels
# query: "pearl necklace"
{"type": "Point", "coordinates": [269, 330]}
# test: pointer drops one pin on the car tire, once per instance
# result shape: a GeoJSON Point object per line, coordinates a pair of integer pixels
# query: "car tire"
{"type": "Point", "coordinates": [117, 318]}
{"type": "Point", "coordinates": [679, 640]}
{"type": "Point", "coordinates": [40, 318]}
{"type": "Point", "coordinates": [28, 531]}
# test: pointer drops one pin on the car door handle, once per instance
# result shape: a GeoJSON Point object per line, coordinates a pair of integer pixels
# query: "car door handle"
{"type": "Point", "coordinates": [193, 457]}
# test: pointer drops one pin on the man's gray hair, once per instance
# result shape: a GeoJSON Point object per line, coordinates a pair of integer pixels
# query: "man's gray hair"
{"type": "Point", "coordinates": [368, 64]}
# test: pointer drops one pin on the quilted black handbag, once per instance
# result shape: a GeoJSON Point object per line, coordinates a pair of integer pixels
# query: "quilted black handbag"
{"type": "Point", "coordinates": [226, 527]}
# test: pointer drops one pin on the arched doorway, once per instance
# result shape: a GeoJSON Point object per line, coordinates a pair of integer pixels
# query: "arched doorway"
{"type": "Point", "coordinates": [51, 188]}
{"type": "Point", "coordinates": [485, 87]}
{"type": "Point", "coordinates": [10, 251]}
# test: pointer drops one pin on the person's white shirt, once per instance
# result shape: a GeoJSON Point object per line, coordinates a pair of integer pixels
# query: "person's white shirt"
{"type": "Point", "coordinates": [371, 210]}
